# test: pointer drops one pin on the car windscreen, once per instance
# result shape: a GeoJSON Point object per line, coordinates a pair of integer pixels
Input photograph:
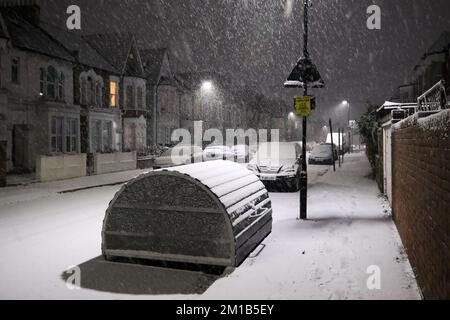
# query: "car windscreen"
{"type": "Point", "coordinates": [320, 150]}
{"type": "Point", "coordinates": [280, 151]}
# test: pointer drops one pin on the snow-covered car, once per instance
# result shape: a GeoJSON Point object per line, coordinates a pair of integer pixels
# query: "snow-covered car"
{"type": "Point", "coordinates": [178, 155]}
{"type": "Point", "coordinates": [278, 163]}
{"type": "Point", "coordinates": [323, 155]}
{"type": "Point", "coordinates": [212, 153]}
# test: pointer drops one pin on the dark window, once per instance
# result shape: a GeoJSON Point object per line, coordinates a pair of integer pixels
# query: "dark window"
{"type": "Point", "coordinates": [83, 91]}
{"type": "Point", "coordinates": [71, 135]}
{"type": "Point", "coordinates": [42, 82]}
{"type": "Point", "coordinates": [15, 70]}
{"type": "Point", "coordinates": [140, 98]}
{"type": "Point", "coordinates": [99, 94]}
{"type": "Point", "coordinates": [91, 91]}
{"type": "Point", "coordinates": [51, 82]}
{"type": "Point", "coordinates": [107, 136]}
{"type": "Point", "coordinates": [96, 136]}
{"type": "Point", "coordinates": [57, 134]}
{"type": "Point", "coordinates": [61, 86]}
{"type": "Point", "coordinates": [130, 98]}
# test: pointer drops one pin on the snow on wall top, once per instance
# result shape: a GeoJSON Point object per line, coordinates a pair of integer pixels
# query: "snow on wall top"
{"type": "Point", "coordinates": [435, 123]}
{"type": "Point", "coordinates": [229, 181]}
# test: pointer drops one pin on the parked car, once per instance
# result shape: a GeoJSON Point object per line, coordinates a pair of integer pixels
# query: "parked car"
{"type": "Point", "coordinates": [241, 153]}
{"type": "Point", "coordinates": [178, 155]}
{"type": "Point", "coordinates": [212, 153]}
{"type": "Point", "coordinates": [323, 155]}
{"type": "Point", "coordinates": [278, 163]}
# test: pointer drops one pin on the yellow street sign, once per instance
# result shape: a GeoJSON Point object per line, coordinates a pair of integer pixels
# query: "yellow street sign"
{"type": "Point", "coordinates": [303, 106]}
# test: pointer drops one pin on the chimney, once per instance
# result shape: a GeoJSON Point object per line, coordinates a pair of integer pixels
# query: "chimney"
{"type": "Point", "coordinates": [29, 9]}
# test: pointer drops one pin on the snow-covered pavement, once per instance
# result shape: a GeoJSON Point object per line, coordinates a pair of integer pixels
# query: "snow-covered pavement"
{"type": "Point", "coordinates": [43, 232]}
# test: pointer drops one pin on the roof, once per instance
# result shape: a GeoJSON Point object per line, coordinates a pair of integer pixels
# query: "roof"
{"type": "Point", "coordinates": [116, 48]}
{"type": "Point", "coordinates": [153, 60]}
{"type": "Point", "coordinates": [388, 105]}
{"type": "Point", "coordinates": [441, 44]}
{"type": "Point", "coordinates": [79, 48]}
{"type": "Point", "coordinates": [26, 36]}
{"type": "Point", "coordinates": [3, 30]}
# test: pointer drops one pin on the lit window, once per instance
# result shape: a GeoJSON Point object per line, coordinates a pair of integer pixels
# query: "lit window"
{"type": "Point", "coordinates": [113, 88]}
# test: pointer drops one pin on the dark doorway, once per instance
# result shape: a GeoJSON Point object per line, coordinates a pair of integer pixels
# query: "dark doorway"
{"type": "Point", "coordinates": [20, 148]}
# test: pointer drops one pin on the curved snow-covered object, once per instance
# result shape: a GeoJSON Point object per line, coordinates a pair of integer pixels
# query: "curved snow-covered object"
{"type": "Point", "coordinates": [213, 213]}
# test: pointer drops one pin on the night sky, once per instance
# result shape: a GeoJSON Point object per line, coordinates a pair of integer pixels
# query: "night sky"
{"type": "Point", "coordinates": [259, 41]}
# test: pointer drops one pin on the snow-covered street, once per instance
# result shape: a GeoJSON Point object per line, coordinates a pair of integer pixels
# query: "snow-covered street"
{"type": "Point", "coordinates": [42, 233]}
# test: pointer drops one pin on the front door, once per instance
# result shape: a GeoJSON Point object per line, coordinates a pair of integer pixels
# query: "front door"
{"type": "Point", "coordinates": [20, 147]}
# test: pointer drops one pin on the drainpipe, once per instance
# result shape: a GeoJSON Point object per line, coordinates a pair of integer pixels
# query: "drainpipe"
{"type": "Point", "coordinates": [155, 112]}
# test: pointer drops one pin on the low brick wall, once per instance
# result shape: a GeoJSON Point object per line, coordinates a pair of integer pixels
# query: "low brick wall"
{"type": "Point", "coordinates": [114, 162]}
{"type": "Point", "coordinates": [52, 168]}
{"type": "Point", "coordinates": [421, 198]}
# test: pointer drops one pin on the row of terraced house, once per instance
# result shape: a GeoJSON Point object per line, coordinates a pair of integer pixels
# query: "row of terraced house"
{"type": "Point", "coordinates": [73, 104]}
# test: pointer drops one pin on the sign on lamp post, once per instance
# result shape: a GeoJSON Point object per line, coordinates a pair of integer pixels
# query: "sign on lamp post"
{"type": "Point", "coordinates": [303, 106]}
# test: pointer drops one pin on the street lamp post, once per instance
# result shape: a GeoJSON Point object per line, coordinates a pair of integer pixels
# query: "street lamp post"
{"type": "Point", "coordinates": [345, 102]}
{"type": "Point", "coordinates": [304, 75]}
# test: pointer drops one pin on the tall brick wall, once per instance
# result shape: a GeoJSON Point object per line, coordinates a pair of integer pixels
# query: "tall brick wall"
{"type": "Point", "coordinates": [421, 198]}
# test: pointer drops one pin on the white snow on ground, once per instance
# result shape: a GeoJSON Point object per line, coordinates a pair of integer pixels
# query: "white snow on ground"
{"type": "Point", "coordinates": [42, 233]}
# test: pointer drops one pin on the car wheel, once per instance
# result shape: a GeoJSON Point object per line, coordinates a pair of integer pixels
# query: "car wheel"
{"type": "Point", "coordinates": [294, 186]}
{"type": "Point", "coordinates": [297, 184]}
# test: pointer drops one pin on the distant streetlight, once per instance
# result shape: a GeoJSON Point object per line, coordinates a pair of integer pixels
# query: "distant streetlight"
{"type": "Point", "coordinates": [347, 104]}
{"type": "Point", "coordinates": [349, 126]}
{"type": "Point", "coordinates": [207, 86]}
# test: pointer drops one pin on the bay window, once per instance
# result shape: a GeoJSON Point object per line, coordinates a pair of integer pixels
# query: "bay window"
{"type": "Point", "coordinates": [71, 135]}
{"type": "Point", "coordinates": [130, 98]}
{"type": "Point", "coordinates": [56, 136]}
{"type": "Point", "coordinates": [101, 137]}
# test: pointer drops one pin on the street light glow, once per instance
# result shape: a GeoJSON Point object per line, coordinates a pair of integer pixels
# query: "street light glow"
{"type": "Point", "coordinates": [345, 102]}
{"type": "Point", "coordinates": [207, 86]}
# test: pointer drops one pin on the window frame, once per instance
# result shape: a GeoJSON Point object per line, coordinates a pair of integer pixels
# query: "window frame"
{"type": "Point", "coordinates": [101, 142]}
{"type": "Point", "coordinates": [42, 82]}
{"type": "Point", "coordinates": [57, 137]}
{"type": "Point", "coordinates": [130, 99]}
{"type": "Point", "coordinates": [140, 98]}
{"type": "Point", "coordinates": [61, 86]}
{"type": "Point", "coordinates": [51, 82]}
{"type": "Point", "coordinates": [71, 135]}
